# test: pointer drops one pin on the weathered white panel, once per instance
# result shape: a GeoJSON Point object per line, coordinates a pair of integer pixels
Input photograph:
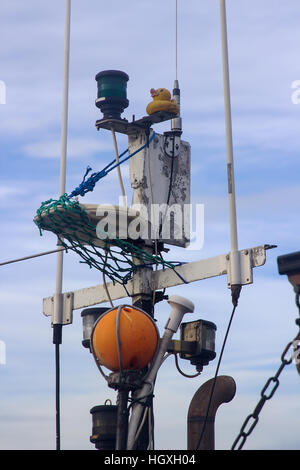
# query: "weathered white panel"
{"type": "Point", "coordinates": [161, 173]}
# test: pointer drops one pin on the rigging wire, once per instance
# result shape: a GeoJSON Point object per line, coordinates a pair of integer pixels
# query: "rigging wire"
{"type": "Point", "coordinates": [118, 167]}
{"type": "Point", "coordinates": [89, 184]}
{"type": "Point", "coordinates": [216, 375]}
{"type": "Point", "coordinates": [32, 256]}
{"type": "Point", "coordinates": [176, 39]}
{"type": "Point", "coordinates": [105, 283]}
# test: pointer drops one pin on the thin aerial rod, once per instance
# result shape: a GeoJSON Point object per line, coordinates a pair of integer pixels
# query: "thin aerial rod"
{"type": "Point", "coordinates": [32, 256]}
{"type": "Point", "coordinates": [63, 156]}
{"type": "Point", "coordinates": [229, 146]}
{"type": "Point", "coordinates": [57, 320]}
{"type": "Point", "coordinates": [176, 40]}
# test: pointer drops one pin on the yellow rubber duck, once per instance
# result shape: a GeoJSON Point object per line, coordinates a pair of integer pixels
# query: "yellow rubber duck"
{"type": "Point", "coordinates": [161, 102]}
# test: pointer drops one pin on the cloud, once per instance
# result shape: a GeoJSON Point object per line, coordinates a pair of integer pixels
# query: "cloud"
{"type": "Point", "coordinates": [77, 148]}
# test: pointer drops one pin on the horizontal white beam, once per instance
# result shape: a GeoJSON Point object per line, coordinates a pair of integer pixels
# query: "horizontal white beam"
{"type": "Point", "coordinates": [190, 272]}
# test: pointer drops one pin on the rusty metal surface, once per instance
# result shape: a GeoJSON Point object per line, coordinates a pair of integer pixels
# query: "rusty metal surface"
{"type": "Point", "coordinates": [224, 392]}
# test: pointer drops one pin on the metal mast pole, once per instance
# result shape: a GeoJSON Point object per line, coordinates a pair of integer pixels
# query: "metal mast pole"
{"type": "Point", "coordinates": [58, 297]}
{"type": "Point", "coordinates": [57, 319]}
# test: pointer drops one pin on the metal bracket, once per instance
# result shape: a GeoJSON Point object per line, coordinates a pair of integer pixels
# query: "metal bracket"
{"type": "Point", "coordinates": [246, 274]}
{"type": "Point", "coordinates": [67, 308]}
{"type": "Point", "coordinates": [160, 279]}
{"type": "Point", "coordinates": [191, 348]}
{"type": "Point", "coordinates": [125, 127]}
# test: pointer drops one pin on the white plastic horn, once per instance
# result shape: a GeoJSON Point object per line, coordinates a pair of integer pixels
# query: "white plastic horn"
{"type": "Point", "coordinates": [180, 306]}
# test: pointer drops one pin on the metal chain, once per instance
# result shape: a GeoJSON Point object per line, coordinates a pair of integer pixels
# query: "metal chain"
{"type": "Point", "coordinates": [244, 432]}
{"type": "Point", "coordinates": [252, 419]}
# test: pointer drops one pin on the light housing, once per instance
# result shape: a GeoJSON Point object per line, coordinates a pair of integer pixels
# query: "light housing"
{"type": "Point", "coordinates": [104, 427]}
{"type": "Point", "coordinates": [201, 335]}
{"type": "Point", "coordinates": [112, 93]}
{"type": "Point", "coordinates": [89, 318]}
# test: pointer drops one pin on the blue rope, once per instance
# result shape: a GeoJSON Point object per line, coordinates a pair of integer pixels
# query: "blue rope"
{"type": "Point", "coordinates": [89, 184]}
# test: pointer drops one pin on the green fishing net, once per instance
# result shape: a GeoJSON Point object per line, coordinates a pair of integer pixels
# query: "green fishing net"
{"type": "Point", "coordinates": [75, 228]}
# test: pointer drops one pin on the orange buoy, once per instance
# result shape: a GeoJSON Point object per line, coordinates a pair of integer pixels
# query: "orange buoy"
{"type": "Point", "coordinates": [124, 338]}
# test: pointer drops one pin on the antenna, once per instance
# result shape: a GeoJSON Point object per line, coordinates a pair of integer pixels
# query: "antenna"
{"type": "Point", "coordinates": [57, 320]}
{"type": "Point", "coordinates": [176, 40]}
{"type": "Point", "coordinates": [235, 261]}
{"type": "Point", "coordinates": [176, 125]}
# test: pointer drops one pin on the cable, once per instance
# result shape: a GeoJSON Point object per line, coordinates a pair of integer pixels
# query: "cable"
{"type": "Point", "coordinates": [151, 429]}
{"type": "Point", "coordinates": [141, 425]}
{"type": "Point", "coordinates": [118, 338]}
{"type": "Point", "coordinates": [216, 375]}
{"type": "Point", "coordinates": [57, 394]}
{"type": "Point", "coordinates": [183, 373]}
{"type": "Point", "coordinates": [89, 184]}
{"type": "Point", "coordinates": [118, 167]}
{"type": "Point", "coordinates": [176, 40]}
{"type": "Point", "coordinates": [171, 171]}
{"type": "Point", "coordinates": [106, 289]}
{"type": "Point", "coordinates": [104, 281]}
{"type": "Point", "coordinates": [170, 181]}
{"type": "Point", "coordinates": [152, 209]}
{"type": "Point", "coordinates": [32, 256]}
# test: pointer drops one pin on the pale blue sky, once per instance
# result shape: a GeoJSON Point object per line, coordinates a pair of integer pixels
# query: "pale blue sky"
{"type": "Point", "coordinates": [138, 37]}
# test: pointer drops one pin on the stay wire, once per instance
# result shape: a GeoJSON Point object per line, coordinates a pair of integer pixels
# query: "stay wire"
{"type": "Point", "coordinates": [216, 375]}
{"type": "Point", "coordinates": [176, 39]}
{"type": "Point", "coordinates": [118, 167]}
{"type": "Point", "coordinates": [24, 258]}
{"type": "Point", "coordinates": [104, 281]}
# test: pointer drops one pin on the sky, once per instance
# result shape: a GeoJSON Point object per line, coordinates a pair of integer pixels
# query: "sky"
{"type": "Point", "coordinates": [139, 38]}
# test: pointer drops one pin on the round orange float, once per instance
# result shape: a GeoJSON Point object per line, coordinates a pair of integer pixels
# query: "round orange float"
{"type": "Point", "coordinates": [124, 338]}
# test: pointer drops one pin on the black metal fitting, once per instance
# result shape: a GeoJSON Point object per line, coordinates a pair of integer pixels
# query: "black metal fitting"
{"type": "Point", "coordinates": [104, 428]}
{"type": "Point", "coordinates": [289, 264]}
{"type": "Point", "coordinates": [196, 344]}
